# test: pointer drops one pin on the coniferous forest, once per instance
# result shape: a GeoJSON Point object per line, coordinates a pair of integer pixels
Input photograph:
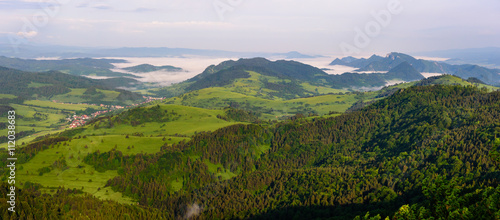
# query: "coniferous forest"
{"type": "Point", "coordinates": [425, 152]}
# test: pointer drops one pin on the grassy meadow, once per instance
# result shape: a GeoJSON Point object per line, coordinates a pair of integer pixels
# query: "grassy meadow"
{"type": "Point", "coordinates": [153, 136]}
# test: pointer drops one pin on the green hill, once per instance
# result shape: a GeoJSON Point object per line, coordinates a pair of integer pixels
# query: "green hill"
{"type": "Point", "coordinates": [142, 130]}
{"type": "Point", "coordinates": [80, 66]}
{"type": "Point", "coordinates": [38, 100]}
{"type": "Point", "coordinates": [54, 85]}
{"type": "Point", "coordinates": [250, 94]}
{"type": "Point", "coordinates": [405, 72]}
{"type": "Point", "coordinates": [411, 148]}
{"type": "Point", "coordinates": [422, 152]}
{"type": "Point", "coordinates": [146, 68]}
{"type": "Point", "coordinates": [283, 79]}
{"type": "Point", "coordinates": [454, 80]}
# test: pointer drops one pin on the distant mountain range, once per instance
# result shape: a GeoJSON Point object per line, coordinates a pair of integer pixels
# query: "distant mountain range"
{"type": "Point", "coordinates": [224, 73]}
{"type": "Point", "coordinates": [378, 63]}
{"type": "Point", "coordinates": [487, 57]}
{"type": "Point", "coordinates": [80, 66]}
{"type": "Point", "coordinates": [146, 68]}
{"type": "Point", "coordinates": [36, 51]}
{"type": "Point", "coordinates": [282, 78]}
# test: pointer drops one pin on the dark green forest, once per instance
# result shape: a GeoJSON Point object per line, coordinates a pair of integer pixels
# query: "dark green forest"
{"type": "Point", "coordinates": [146, 68]}
{"type": "Point", "coordinates": [52, 83]}
{"type": "Point", "coordinates": [79, 66]}
{"type": "Point", "coordinates": [426, 152]}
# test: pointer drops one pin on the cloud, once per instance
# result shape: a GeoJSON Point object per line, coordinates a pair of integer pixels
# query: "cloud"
{"type": "Point", "coordinates": [96, 4]}
{"type": "Point", "coordinates": [102, 7]}
{"type": "Point", "coordinates": [26, 4]}
{"type": "Point", "coordinates": [317, 26]}
{"type": "Point", "coordinates": [187, 24]}
{"type": "Point", "coordinates": [139, 10]}
{"type": "Point", "coordinates": [83, 5]}
{"type": "Point", "coordinates": [29, 34]}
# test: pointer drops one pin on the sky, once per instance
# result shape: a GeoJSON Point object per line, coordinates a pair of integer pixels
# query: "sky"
{"type": "Point", "coordinates": [322, 27]}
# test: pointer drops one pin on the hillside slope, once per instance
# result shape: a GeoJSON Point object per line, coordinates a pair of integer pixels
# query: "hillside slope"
{"type": "Point", "coordinates": [250, 94]}
{"type": "Point", "coordinates": [42, 100]}
{"type": "Point", "coordinates": [428, 151]}
{"type": "Point", "coordinates": [423, 146]}
{"type": "Point", "coordinates": [59, 160]}
{"type": "Point", "coordinates": [405, 72]}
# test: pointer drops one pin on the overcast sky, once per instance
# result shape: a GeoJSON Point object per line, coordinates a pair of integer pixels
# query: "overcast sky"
{"type": "Point", "coordinates": [308, 26]}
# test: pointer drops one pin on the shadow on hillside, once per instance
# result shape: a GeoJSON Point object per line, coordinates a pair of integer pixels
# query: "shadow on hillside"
{"type": "Point", "coordinates": [339, 212]}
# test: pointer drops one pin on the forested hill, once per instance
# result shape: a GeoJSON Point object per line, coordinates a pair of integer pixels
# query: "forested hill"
{"type": "Point", "coordinates": [281, 68]}
{"type": "Point", "coordinates": [146, 68]}
{"type": "Point", "coordinates": [298, 71]}
{"type": "Point", "coordinates": [285, 78]}
{"type": "Point", "coordinates": [80, 66]}
{"type": "Point", "coordinates": [425, 151]}
{"type": "Point", "coordinates": [27, 85]}
{"type": "Point", "coordinates": [434, 148]}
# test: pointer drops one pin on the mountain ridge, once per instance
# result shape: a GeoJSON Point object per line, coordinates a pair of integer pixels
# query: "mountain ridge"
{"type": "Point", "coordinates": [27, 85]}
{"type": "Point", "coordinates": [487, 57]}
{"type": "Point", "coordinates": [146, 68]}
{"type": "Point", "coordinates": [79, 66]}
{"type": "Point", "coordinates": [377, 63]}
{"type": "Point", "coordinates": [288, 72]}
{"type": "Point", "coordinates": [405, 71]}
{"type": "Point", "coordinates": [31, 51]}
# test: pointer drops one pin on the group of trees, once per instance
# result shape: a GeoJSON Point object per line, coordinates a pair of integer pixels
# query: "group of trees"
{"type": "Point", "coordinates": [409, 149]}
{"type": "Point", "coordinates": [423, 152]}
{"type": "Point", "coordinates": [136, 116]}
{"type": "Point", "coordinates": [31, 203]}
{"type": "Point", "coordinates": [239, 115]}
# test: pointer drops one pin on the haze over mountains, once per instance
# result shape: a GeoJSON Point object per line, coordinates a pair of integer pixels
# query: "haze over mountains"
{"type": "Point", "coordinates": [36, 51]}
{"type": "Point", "coordinates": [373, 72]}
{"type": "Point", "coordinates": [461, 62]}
{"type": "Point", "coordinates": [297, 71]}
{"type": "Point", "coordinates": [146, 68]}
{"type": "Point", "coordinates": [378, 63]}
{"type": "Point", "coordinates": [488, 56]}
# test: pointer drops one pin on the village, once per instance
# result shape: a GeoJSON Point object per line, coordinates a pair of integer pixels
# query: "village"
{"type": "Point", "coordinates": [80, 120]}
